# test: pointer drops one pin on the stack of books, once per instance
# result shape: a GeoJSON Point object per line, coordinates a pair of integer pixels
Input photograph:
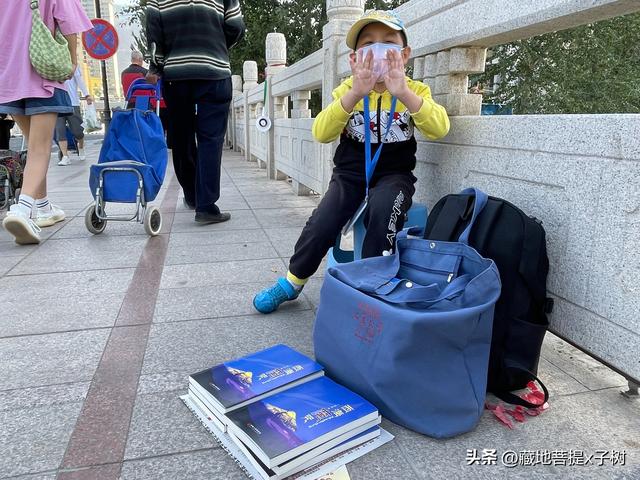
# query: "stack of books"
{"type": "Point", "coordinates": [277, 414]}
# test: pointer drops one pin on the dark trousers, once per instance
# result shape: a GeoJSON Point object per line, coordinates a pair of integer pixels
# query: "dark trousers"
{"type": "Point", "coordinates": [198, 111]}
{"type": "Point", "coordinates": [389, 201]}
{"type": "Point", "coordinates": [5, 132]}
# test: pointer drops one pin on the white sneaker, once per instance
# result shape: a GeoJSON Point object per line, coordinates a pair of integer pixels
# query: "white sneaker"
{"type": "Point", "coordinates": [47, 218]}
{"type": "Point", "coordinates": [64, 161]}
{"type": "Point", "coordinates": [81, 154]}
{"type": "Point", "coordinates": [18, 224]}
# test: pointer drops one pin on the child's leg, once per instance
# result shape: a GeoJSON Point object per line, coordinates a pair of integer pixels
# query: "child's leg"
{"type": "Point", "coordinates": [389, 201]}
{"type": "Point", "coordinates": [343, 197]}
{"type": "Point", "coordinates": [341, 201]}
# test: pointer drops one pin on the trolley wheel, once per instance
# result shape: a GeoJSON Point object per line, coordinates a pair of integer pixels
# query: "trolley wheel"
{"type": "Point", "coordinates": [153, 221]}
{"type": "Point", "coordinates": [92, 222]}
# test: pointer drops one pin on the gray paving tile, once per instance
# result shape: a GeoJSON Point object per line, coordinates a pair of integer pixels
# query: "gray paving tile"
{"type": "Point", "coordinates": [193, 346]}
{"type": "Point", "coordinates": [240, 220]}
{"type": "Point", "coordinates": [34, 439]}
{"type": "Point", "coordinates": [387, 461]}
{"type": "Point", "coordinates": [562, 427]}
{"type": "Point", "coordinates": [36, 397]}
{"type": "Point", "coordinates": [164, 382]}
{"type": "Point", "coordinates": [79, 254]}
{"type": "Point", "coordinates": [80, 283]}
{"type": "Point", "coordinates": [284, 239]}
{"type": "Point", "coordinates": [206, 302]}
{"type": "Point", "coordinates": [92, 310]}
{"type": "Point", "coordinates": [284, 217]}
{"type": "Point", "coordinates": [264, 201]}
{"type": "Point", "coordinates": [74, 209]}
{"type": "Point", "coordinates": [232, 202]}
{"type": "Point", "coordinates": [202, 465]}
{"type": "Point", "coordinates": [38, 476]}
{"type": "Point", "coordinates": [222, 273]}
{"type": "Point", "coordinates": [579, 365]}
{"type": "Point", "coordinates": [181, 254]}
{"type": "Point", "coordinates": [311, 290]}
{"type": "Point", "coordinates": [220, 237]}
{"type": "Point", "coordinates": [75, 228]}
{"type": "Point", "coordinates": [162, 424]}
{"type": "Point", "coordinates": [271, 188]}
{"type": "Point", "coordinates": [9, 248]}
{"type": "Point", "coordinates": [7, 263]}
{"type": "Point", "coordinates": [244, 181]}
{"type": "Point", "coordinates": [41, 360]}
{"type": "Point", "coordinates": [97, 296]}
{"type": "Point", "coordinates": [557, 381]}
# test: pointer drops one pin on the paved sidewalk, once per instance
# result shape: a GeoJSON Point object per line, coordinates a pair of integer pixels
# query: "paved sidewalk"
{"type": "Point", "coordinates": [98, 335]}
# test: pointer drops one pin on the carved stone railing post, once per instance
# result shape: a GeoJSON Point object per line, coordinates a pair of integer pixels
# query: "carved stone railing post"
{"type": "Point", "coordinates": [418, 68]}
{"type": "Point", "coordinates": [300, 109]}
{"type": "Point", "coordinates": [447, 73]}
{"type": "Point", "coordinates": [236, 88]}
{"type": "Point", "coordinates": [250, 75]}
{"type": "Point", "coordinates": [429, 72]}
{"type": "Point", "coordinates": [276, 57]}
{"type": "Point", "coordinates": [341, 15]}
{"type": "Point", "coordinates": [300, 100]}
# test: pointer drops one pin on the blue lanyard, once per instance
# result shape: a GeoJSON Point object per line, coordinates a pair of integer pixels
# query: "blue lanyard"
{"type": "Point", "coordinates": [370, 163]}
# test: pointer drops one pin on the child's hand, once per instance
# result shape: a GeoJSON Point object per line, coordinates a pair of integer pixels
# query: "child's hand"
{"type": "Point", "coordinates": [395, 79]}
{"type": "Point", "coordinates": [363, 77]}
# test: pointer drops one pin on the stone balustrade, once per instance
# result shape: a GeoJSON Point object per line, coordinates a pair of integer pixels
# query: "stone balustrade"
{"type": "Point", "coordinates": [579, 174]}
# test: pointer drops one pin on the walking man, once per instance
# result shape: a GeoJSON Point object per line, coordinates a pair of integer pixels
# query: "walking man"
{"type": "Point", "coordinates": [190, 45]}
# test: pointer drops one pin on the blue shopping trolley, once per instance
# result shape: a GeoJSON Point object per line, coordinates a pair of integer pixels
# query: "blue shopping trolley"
{"type": "Point", "coordinates": [132, 164]}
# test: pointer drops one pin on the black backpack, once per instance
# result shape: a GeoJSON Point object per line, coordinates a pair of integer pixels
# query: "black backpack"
{"type": "Point", "coordinates": [516, 242]}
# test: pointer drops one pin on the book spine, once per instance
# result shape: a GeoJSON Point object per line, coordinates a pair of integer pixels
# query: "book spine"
{"type": "Point", "coordinates": [222, 445]}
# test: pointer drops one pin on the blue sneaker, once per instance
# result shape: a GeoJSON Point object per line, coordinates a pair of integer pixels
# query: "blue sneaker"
{"type": "Point", "coordinates": [269, 299]}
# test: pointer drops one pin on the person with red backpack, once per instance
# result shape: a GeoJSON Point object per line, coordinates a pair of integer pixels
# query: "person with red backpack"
{"type": "Point", "coordinates": [133, 72]}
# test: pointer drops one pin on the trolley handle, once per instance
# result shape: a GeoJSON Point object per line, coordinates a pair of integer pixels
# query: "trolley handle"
{"type": "Point", "coordinates": [141, 84]}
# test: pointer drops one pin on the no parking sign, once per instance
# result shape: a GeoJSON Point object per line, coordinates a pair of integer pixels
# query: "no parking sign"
{"type": "Point", "coordinates": [101, 42]}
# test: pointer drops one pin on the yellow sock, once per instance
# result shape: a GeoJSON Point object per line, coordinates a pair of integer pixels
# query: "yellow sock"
{"type": "Point", "coordinates": [297, 282]}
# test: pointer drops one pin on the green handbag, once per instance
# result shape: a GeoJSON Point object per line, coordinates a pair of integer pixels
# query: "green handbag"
{"type": "Point", "coordinates": [49, 54]}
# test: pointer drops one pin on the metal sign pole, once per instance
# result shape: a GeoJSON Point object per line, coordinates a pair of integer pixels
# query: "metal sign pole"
{"type": "Point", "coordinates": [105, 84]}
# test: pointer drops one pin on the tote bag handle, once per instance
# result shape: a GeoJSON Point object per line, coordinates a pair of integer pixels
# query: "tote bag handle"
{"type": "Point", "coordinates": [480, 202]}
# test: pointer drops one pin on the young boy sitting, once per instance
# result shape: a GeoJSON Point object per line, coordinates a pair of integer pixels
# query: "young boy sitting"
{"type": "Point", "coordinates": [378, 84]}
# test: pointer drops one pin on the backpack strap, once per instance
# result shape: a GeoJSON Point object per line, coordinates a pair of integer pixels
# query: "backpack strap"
{"type": "Point", "coordinates": [516, 400]}
{"type": "Point", "coordinates": [453, 213]}
{"type": "Point", "coordinates": [482, 232]}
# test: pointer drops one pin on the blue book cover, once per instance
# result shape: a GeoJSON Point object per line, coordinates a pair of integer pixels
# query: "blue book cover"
{"type": "Point", "coordinates": [297, 419]}
{"type": "Point", "coordinates": [241, 380]}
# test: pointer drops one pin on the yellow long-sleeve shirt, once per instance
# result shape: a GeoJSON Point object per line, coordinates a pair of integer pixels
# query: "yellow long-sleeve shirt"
{"type": "Point", "coordinates": [431, 120]}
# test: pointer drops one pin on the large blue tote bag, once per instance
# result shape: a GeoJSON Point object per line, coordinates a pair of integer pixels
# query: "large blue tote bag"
{"type": "Point", "coordinates": [411, 332]}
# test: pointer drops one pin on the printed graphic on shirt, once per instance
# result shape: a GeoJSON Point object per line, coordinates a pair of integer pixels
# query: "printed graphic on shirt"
{"type": "Point", "coordinates": [401, 130]}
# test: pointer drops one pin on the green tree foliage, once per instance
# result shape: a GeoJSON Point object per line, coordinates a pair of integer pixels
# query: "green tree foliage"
{"type": "Point", "coordinates": [301, 22]}
{"type": "Point", "coordinates": [134, 15]}
{"type": "Point", "coordinates": [383, 4]}
{"type": "Point", "coordinates": [594, 68]}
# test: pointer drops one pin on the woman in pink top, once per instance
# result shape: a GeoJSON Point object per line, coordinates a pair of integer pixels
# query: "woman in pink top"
{"type": "Point", "coordinates": [35, 104]}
